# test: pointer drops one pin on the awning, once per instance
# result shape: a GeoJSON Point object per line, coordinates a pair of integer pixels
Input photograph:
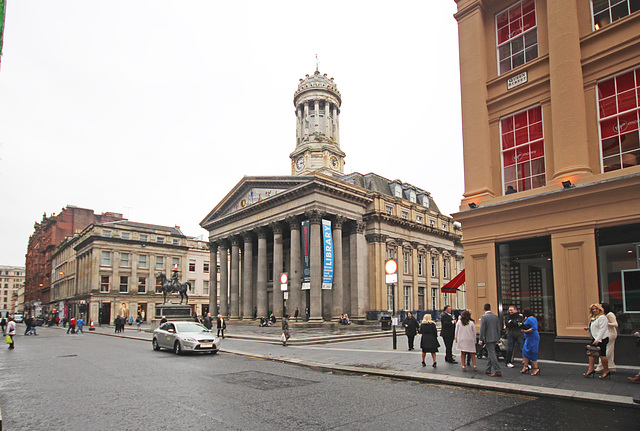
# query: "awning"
{"type": "Point", "coordinates": [452, 286]}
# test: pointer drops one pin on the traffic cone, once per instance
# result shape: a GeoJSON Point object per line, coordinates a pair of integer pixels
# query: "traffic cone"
{"type": "Point", "coordinates": [91, 327]}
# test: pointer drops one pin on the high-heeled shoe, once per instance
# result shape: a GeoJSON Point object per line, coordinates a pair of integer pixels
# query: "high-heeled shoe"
{"type": "Point", "coordinates": [605, 376]}
{"type": "Point", "coordinates": [589, 373]}
{"type": "Point", "coordinates": [536, 372]}
{"type": "Point", "coordinates": [634, 378]}
{"type": "Point", "coordinates": [464, 368]}
{"type": "Point", "coordinates": [424, 364]}
{"type": "Point", "coordinates": [525, 370]}
{"type": "Point", "coordinates": [475, 368]}
{"type": "Point", "coordinates": [435, 364]}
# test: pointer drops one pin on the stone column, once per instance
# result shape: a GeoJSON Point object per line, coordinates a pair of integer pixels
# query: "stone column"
{"type": "Point", "coordinates": [568, 116]}
{"type": "Point", "coordinates": [315, 253]}
{"type": "Point", "coordinates": [247, 276]}
{"type": "Point", "coordinates": [263, 306]}
{"type": "Point", "coordinates": [224, 278]}
{"type": "Point", "coordinates": [278, 296]}
{"type": "Point", "coordinates": [316, 116]}
{"type": "Point", "coordinates": [234, 300]}
{"type": "Point", "coordinates": [295, 272]}
{"type": "Point", "coordinates": [327, 123]}
{"type": "Point", "coordinates": [359, 269]}
{"type": "Point", "coordinates": [213, 278]}
{"type": "Point", "coordinates": [338, 288]}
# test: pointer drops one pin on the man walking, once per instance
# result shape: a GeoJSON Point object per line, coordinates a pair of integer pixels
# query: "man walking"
{"type": "Point", "coordinates": [513, 324]}
{"type": "Point", "coordinates": [410, 329]}
{"type": "Point", "coordinates": [221, 325]}
{"type": "Point", "coordinates": [80, 324]}
{"type": "Point", "coordinates": [285, 329]}
{"type": "Point", "coordinates": [448, 333]}
{"type": "Point", "coordinates": [72, 326]}
{"type": "Point", "coordinates": [489, 336]}
{"type": "Point", "coordinates": [208, 321]}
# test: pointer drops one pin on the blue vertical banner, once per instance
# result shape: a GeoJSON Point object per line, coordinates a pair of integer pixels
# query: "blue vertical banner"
{"type": "Point", "coordinates": [327, 247]}
{"type": "Point", "coordinates": [306, 257]}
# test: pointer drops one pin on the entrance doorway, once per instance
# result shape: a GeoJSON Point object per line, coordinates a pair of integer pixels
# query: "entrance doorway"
{"type": "Point", "coordinates": [142, 311]}
{"type": "Point", "coordinates": [105, 313]}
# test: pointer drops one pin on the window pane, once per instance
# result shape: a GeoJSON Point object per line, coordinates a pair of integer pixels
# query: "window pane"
{"type": "Point", "coordinates": [634, 5]}
{"type": "Point", "coordinates": [620, 10]}
{"type": "Point", "coordinates": [600, 5]}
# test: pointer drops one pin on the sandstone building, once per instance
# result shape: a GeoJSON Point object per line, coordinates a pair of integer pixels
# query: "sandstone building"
{"type": "Point", "coordinates": [11, 283]}
{"type": "Point", "coordinates": [329, 232]}
{"type": "Point", "coordinates": [551, 209]}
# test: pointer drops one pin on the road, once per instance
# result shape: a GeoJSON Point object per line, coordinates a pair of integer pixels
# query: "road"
{"type": "Point", "coordinates": [94, 382]}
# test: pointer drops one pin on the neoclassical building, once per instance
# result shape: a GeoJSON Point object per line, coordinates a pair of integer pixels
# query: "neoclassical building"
{"type": "Point", "coordinates": [330, 233]}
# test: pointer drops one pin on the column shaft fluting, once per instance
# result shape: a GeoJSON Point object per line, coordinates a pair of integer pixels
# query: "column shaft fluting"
{"type": "Point", "coordinates": [294, 268]}
{"type": "Point", "coordinates": [224, 279]}
{"type": "Point", "coordinates": [213, 278]}
{"type": "Point", "coordinates": [234, 300]}
{"type": "Point", "coordinates": [263, 306]}
{"type": "Point", "coordinates": [338, 289]}
{"type": "Point", "coordinates": [278, 296]}
{"type": "Point", "coordinates": [247, 277]}
{"type": "Point", "coordinates": [315, 253]}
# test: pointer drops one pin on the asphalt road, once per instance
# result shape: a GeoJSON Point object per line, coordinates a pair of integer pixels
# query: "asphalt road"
{"type": "Point", "coordinates": [94, 382]}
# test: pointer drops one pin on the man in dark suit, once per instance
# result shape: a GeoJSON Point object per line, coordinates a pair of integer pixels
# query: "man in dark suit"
{"type": "Point", "coordinates": [410, 329]}
{"type": "Point", "coordinates": [489, 336]}
{"type": "Point", "coordinates": [448, 333]}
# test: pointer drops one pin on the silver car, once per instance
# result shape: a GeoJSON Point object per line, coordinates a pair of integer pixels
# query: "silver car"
{"type": "Point", "coordinates": [184, 337]}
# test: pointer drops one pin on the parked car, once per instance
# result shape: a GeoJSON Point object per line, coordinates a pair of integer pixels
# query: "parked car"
{"type": "Point", "coordinates": [183, 337]}
{"type": "Point", "coordinates": [39, 321]}
{"type": "Point", "coordinates": [19, 318]}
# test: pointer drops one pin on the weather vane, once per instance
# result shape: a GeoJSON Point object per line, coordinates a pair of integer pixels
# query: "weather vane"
{"type": "Point", "coordinates": [317, 63]}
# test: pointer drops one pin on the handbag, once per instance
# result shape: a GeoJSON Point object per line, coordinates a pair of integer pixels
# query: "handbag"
{"type": "Point", "coordinates": [592, 351]}
{"type": "Point", "coordinates": [8, 340]}
{"type": "Point", "coordinates": [283, 337]}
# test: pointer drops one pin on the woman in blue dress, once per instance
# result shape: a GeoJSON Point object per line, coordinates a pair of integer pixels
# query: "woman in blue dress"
{"type": "Point", "coordinates": [531, 342]}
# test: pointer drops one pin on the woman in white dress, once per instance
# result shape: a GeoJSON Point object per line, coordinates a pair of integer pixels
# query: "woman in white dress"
{"type": "Point", "coordinates": [613, 334]}
{"type": "Point", "coordinates": [466, 338]}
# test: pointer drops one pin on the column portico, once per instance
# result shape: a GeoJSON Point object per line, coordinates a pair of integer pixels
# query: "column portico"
{"type": "Point", "coordinates": [224, 278]}
{"type": "Point", "coordinates": [261, 282]}
{"type": "Point", "coordinates": [338, 287]}
{"type": "Point", "coordinates": [213, 278]}
{"type": "Point", "coordinates": [247, 276]}
{"type": "Point", "coordinates": [295, 282]}
{"type": "Point", "coordinates": [315, 253]}
{"type": "Point", "coordinates": [359, 271]}
{"type": "Point", "coordinates": [235, 278]}
{"type": "Point", "coordinates": [278, 296]}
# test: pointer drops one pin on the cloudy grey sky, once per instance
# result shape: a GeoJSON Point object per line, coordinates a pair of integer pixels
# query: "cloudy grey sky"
{"type": "Point", "coordinates": [156, 108]}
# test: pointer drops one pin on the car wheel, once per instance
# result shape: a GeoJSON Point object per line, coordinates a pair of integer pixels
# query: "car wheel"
{"type": "Point", "coordinates": [177, 349]}
{"type": "Point", "coordinates": [156, 346]}
{"type": "Point", "coordinates": [213, 352]}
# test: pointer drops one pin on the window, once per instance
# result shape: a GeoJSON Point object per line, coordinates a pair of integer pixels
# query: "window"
{"type": "Point", "coordinates": [176, 241]}
{"type": "Point", "coordinates": [192, 286]}
{"type": "Point", "coordinates": [160, 262]}
{"type": "Point", "coordinates": [405, 215]}
{"type": "Point", "coordinates": [618, 102]}
{"type": "Point", "coordinates": [126, 235]}
{"type": "Point", "coordinates": [104, 283]}
{"type": "Point", "coordinates": [608, 11]}
{"type": "Point", "coordinates": [434, 266]}
{"type": "Point", "coordinates": [618, 255]}
{"type": "Point", "coordinates": [445, 268]}
{"type": "Point", "coordinates": [106, 233]}
{"type": "Point", "coordinates": [205, 287]}
{"type": "Point", "coordinates": [523, 150]}
{"type": "Point", "coordinates": [106, 258]}
{"type": "Point", "coordinates": [142, 285]}
{"type": "Point", "coordinates": [406, 296]}
{"type": "Point", "coordinates": [160, 240]}
{"type": "Point", "coordinates": [124, 284]}
{"type": "Point", "coordinates": [175, 262]}
{"type": "Point", "coordinates": [420, 264]}
{"type": "Point", "coordinates": [525, 278]}
{"type": "Point", "coordinates": [434, 298]}
{"type": "Point", "coordinates": [406, 262]}
{"type": "Point", "coordinates": [192, 265]}
{"type": "Point", "coordinates": [389, 210]}
{"type": "Point", "coordinates": [421, 303]}
{"type": "Point", "coordinates": [144, 237]}
{"type": "Point", "coordinates": [125, 260]}
{"type": "Point", "coordinates": [444, 226]}
{"type": "Point", "coordinates": [432, 223]}
{"type": "Point", "coordinates": [205, 267]}
{"type": "Point", "coordinates": [158, 286]}
{"type": "Point", "coordinates": [269, 272]}
{"type": "Point", "coordinates": [517, 36]}
{"type": "Point", "coordinates": [142, 261]}
{"type": "Point", "coordinates": [419, 219]}
{"type": "Point", "coordinates": [390, 306]}
{"type": "Point", "coordinates": [391, 252]}
{"type": "Point", "coordinates": [412, 196]}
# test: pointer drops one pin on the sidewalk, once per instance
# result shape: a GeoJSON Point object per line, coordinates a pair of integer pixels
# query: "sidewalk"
{"type": "Point", "coordinates": [368, 350]}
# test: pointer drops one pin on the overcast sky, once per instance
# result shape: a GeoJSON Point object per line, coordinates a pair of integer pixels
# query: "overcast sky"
{"type": "Point", "coordinates": [156, 109]}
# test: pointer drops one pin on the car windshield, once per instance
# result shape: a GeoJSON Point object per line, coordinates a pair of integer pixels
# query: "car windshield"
{"type": "Point", "coordinates": [190, 327]}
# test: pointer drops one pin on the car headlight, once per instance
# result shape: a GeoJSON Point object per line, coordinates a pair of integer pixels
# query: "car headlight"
{"type": "Point", "coordinates": [189, 339]}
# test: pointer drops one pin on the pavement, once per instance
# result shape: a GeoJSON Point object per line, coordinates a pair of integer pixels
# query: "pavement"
{"type": "Point", "coordinates": [367, 350]}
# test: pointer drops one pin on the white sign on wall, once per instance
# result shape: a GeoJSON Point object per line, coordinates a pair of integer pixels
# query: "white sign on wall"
{"type": "Point", "coordinates": [517, 80]}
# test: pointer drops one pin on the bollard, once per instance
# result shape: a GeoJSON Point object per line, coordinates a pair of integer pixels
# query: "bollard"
{"type": "Point", "coordinates": [395, 338]}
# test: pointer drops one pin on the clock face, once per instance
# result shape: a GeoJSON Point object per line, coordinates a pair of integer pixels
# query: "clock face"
{"type": "Point", "coordinates": [300, 163]}
{"type": "Point", "coordinates": [334, 162]}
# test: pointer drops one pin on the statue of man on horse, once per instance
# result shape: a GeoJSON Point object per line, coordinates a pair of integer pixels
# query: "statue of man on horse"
{"type": "Point", "coordinates": [173, 285]}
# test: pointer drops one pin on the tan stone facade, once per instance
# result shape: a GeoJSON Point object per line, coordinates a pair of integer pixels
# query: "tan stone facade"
{"type": "Point", "coordinates": [11, 284]}
{"type": "Point", "coordinates": [110, 269]}
{"type": "Point", "coordinates": [550, 95]}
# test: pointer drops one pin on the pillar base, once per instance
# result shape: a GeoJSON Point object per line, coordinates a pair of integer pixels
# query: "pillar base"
{"type": "Point", "coordinates": [316, 320]}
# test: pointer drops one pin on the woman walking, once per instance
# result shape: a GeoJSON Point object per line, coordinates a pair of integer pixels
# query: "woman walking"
{"type": "Point", "coordinates": [429, 340]}
{"type": "Point", "coordinates": [599, 330]}
{"type": "Point", "coordinates": [613, 334]}
{"type": "Point", "coordinates": [531, 343]}
{"type": "Point", "coordinates": [10, 332]}
{"type": "Point", "coordinates": [466, 338]}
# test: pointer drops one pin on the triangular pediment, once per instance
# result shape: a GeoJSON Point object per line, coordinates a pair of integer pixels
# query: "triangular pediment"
{"type": "Point", "coordinates": [253, 190]}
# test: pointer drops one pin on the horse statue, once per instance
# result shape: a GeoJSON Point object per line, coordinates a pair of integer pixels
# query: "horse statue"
{"type": "Point", "coordinates": [168, 286]}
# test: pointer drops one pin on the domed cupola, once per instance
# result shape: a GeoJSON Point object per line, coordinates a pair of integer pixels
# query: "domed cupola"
{"type": "Point", "coordinates": [317, 101]}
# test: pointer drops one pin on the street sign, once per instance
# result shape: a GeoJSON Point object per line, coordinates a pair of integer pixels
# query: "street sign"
{"type": "Point", "coordinates": [391, 270]}
{"type": "Point", "coordinates": [284, 278]}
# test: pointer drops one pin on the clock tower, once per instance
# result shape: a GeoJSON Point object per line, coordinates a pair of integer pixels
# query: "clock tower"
{"type": "Point", "coordinates": [317, 101]}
